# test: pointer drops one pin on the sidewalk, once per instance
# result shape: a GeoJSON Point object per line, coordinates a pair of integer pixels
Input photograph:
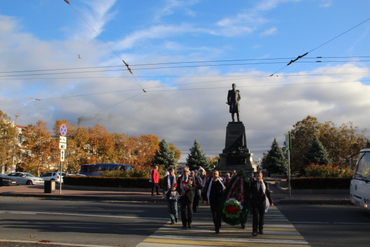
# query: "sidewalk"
{"type": "Point", "coordinates": [279, 195]}
{"type": "Point", "coordinates": [83, 193]}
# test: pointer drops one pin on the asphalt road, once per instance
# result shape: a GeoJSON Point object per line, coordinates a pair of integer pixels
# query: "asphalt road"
{"type": "Point", "coordinates": [330, 225]}
{"type": "Point", "coordinates": [91, 223]}
{"type": "Point", "coordinates": [111, 223]}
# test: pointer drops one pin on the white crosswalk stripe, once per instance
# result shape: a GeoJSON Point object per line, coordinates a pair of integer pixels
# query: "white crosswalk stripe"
{"type": "Point", "coordinates": [278, 231]}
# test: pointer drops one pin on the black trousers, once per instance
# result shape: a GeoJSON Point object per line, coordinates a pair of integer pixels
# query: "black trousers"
{"type": "Point", "coordinates": [186, 207]}
{"type": "Point", "coordinates": [195, 203]}
{"type": "Point", "coordinates": [155, 186]}
{"type": "Point", "coordinates": [216, 214]}
{"type": "Point", "coordinates": [258, 217]}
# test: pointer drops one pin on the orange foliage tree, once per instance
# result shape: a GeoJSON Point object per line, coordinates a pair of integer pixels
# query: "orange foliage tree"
{"type": "Point", "coordinates": [42, 149]}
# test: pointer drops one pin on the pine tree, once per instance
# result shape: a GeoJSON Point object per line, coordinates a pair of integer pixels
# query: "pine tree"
{"type": "Point", "coordinates": [316, 153]}
{"type": "Point", "coordinates": [165, 156]}
{"type": "Point", "coordinates": [275, 161]}
{"type": "Point", "coordinates": [197, 158]}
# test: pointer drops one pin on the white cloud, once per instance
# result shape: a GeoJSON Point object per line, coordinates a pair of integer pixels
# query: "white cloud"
{"type": "Point", "coordinates": [266, 5]}
{"type": "Point", "coordinates": [174, 5]}
{"type": "Point", "coordinates": [97, 14]}
{"type": "Point", "coordinates": [326, 3]}
{"type": "Point", "coordinates": [249, 20]}
{"type": "Point", "coordinates": [154, 32]}
{"type": "Point", "coordinates": [269, 32]}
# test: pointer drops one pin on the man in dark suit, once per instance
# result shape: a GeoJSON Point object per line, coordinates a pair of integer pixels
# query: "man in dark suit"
{"type": "Point", "coordinates": [213, 191]}
{"type": "Point", "coordinates": [260, 191]}
{"type": "Point", "coordinates": [185, 187]}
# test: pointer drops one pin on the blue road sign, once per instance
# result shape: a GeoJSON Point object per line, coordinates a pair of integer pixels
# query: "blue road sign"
{"type": "Point", "coordinates": [63, 129]}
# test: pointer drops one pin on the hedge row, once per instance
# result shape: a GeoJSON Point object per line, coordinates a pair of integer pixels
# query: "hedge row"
{"type": "Point", "coordinates": [320, 183]}
{"type": "Point", "coordinates": [109, 182]}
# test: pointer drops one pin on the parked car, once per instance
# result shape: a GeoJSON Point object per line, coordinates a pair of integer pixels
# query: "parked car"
{"type": "Point", "coordinates": [7, 181]}
{"type": "Point", "coordinates": [25, 178]}
{"type": "Point", "coordinates": [47, 176]}
{"type": "Point", "coordinates": [76, 175]}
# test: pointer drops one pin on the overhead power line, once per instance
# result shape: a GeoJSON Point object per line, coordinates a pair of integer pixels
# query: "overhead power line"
{"type": "Point", "coordinates": [177, 65]}
{"type": "Point", "coordinates": [126, 64]}
{"type": "Point", "coordinates": [301, 56]}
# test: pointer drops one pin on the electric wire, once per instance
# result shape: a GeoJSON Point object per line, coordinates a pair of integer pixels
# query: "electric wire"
{"type": "Point", "coordinates": [301, 56]}
{"type": "Point", "coordinates": [203, 88]}
{"type": "Point", "coordinates": [128, 68]}
{"type": "Point", "coordinates": [102, 69]}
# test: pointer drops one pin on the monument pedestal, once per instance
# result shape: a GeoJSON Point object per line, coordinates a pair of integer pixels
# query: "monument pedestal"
{"type": "Point", "coordinates": [230, 162]}
{"type": "Point", "coordinates": [236, 155]}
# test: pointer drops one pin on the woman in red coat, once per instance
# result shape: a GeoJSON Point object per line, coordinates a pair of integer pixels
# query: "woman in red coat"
{"type": "Point", "coordinates": [154, 179]}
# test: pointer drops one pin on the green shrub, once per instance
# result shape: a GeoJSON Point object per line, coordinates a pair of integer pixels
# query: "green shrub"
{"type": "Point", "coordinates": [109, 182]}
{"type": "Point", "coordinates": [327, 171]}
{"type": "Point", "coordinates": [139, 172]}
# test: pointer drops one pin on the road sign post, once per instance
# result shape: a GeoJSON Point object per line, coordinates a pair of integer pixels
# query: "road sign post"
{"type": "Point", "coordinates": [62, 147]}
{"type": "Point", "coordinates": [288, 147]}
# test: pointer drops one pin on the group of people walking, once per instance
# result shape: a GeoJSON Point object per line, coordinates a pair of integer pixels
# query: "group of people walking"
{"type": "Point", "coordinates": [191, 187]}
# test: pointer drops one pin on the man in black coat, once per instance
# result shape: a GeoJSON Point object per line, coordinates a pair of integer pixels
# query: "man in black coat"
{"type": "Point", "coordinates": [260, 191]}
{"type": "Point", "coordinates": [213, 191]}
{"type": "Point", "coordinates": [185, 187]}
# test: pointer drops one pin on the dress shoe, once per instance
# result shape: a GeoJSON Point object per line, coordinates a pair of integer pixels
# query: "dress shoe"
{"type": "Point", "coordinates": [254, 233]}
{"type": "Point", "coordinates": [243, 226]}
{"type": "Point", "coordinates": [176, 220]}
{"type": "Point", "coordinates": [189, 226]}
{"type": "Point", "coordinates": [260, 231]}
{"type": "Point", "coordinates": [172, 222]}
{"type": "Point", "coordinates": [217, 231]}
{"type": "Point", "coordinates": [158, 194]}
{"type": "Point", "coordinates": [183, 227]}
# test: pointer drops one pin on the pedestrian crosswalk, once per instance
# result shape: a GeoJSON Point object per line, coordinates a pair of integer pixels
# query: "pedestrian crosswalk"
{"type": "Point", "coordinates": [278, 231]}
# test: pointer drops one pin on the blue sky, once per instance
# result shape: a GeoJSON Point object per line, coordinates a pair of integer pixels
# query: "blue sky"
{"type": "Point", "coordinates": [193, 50]}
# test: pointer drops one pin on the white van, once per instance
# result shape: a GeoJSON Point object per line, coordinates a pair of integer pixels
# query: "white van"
{"type": "Point", "coordinates": [360, 182]}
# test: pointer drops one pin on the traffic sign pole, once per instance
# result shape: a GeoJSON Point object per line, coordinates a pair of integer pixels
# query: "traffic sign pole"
{"type": "Point", "coordinates": [62, 147]}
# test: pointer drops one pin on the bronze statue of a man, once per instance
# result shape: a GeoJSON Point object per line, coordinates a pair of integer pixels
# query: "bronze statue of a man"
{"type": "Point", "coordinates": [233, 98]}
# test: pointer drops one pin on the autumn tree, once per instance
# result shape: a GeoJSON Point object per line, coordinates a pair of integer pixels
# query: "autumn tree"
{"type": "Point", "coordinates": [177, 152]}
{"type": "Point", "coordinates": [101, 144]}
{"type": "Point", "coordinates": [301, 137]}
{"type": "Point", "coordinates": [197, 157]}
{"type": "Point", "coordinates": [340, 142]}
{"type": "Point", "coordinates": [274, 161]}
{"type": "Point", "coordinates": [138, 152]}
{"type": "Point", "coordinates": [316, 153]}
{"type": "Point", "coordinates": [8, 138]}
{"type": "Point", "coordinates": [77, 151]}
{"type": "Point", "coordinates": [165, 156]}
{"type": "Point", "coordinates": [43, 150]}
{"type": "Point", "coordinates": [213, 161]}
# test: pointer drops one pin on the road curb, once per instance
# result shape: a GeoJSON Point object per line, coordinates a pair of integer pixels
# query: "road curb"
{"type": "Point", "coordinates": [315, 201]}
{"type": "Point", "coordinates": [97, 198]}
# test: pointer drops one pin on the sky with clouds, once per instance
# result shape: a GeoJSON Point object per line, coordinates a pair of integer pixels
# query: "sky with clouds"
{"type": "Point", "coordinates": [61, 61]}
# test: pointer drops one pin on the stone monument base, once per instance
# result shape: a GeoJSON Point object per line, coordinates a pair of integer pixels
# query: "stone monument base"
{"type": "Point", "coordinates": [236, 161]}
